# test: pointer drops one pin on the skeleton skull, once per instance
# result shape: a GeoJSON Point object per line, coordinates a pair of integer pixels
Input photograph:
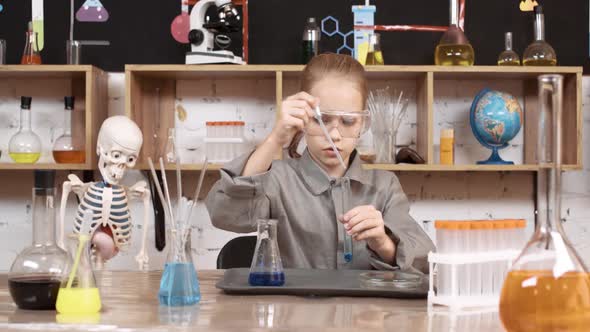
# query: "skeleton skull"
{"type": "Point", "coordinates": [119, 142]}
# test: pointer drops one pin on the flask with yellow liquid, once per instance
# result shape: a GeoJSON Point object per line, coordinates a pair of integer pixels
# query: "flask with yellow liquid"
{"type": "Point", "coordinates": [78, 293]}
{"type": "Point", "coordinates": [25, 146]}
{"type": "Point", "coordinates": [375, 56]}
{"type": "Point", "coordinates": [548, 286]}
{"type": "Point", "coordinates": [454, 49]}
{"type": "Point", "coordinates": [539, 52]}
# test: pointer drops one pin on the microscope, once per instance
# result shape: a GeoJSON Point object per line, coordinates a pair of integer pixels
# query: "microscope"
{"type": "Point", "coordinates": [202, 32]}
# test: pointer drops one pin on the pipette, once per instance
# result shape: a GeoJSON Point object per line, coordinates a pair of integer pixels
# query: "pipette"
{"type": "Point", "coordinates": [318, 117]}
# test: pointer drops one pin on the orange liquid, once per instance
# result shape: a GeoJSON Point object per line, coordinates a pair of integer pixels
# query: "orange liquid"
{"type": "Point", "coordinates": [534, 301]}
{"type": "Point", "coordinates": [69, 157]}
{"type": "Point", "coordinates": [30, 60]}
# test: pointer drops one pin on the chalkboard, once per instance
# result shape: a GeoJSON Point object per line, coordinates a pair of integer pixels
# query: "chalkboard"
{"type": "Point", "coordinates": [139, 31]}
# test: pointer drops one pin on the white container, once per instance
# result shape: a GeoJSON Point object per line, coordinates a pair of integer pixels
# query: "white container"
{"type": "Point", "coordinates": [472, 260]}
{"type": "Point", "coordinates": [454, 299]}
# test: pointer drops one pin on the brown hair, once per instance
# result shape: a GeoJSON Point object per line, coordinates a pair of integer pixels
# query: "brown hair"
{"type": "Point", "coordinates": [330, 64]}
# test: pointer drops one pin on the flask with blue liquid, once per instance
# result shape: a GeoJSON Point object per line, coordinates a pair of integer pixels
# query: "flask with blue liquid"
{"type": "Point", "coordinates": [267, 268]}
{"type": "Point", "coordinates": [179, 285]}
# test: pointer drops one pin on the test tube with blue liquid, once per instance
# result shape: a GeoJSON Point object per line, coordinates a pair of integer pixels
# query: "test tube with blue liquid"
{"type": "Point", "coordinates": [345, 182]}
{"type": "Point", "coordinates": [179, 285]}
{"type": "Point", "coordinates": [266, 268]}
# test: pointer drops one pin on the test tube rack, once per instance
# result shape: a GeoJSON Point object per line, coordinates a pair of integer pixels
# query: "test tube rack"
{"type": "Point", "coordinates": [224, 141]}
{"type": "Point", "coordinates": [472, 261]}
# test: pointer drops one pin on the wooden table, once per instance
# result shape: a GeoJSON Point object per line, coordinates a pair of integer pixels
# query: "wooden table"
{"type": "Point", "coordinates": [130, 304]}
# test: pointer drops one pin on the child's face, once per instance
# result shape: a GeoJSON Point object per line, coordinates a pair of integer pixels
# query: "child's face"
{"type": "Point", "coordinates": [335, 94]}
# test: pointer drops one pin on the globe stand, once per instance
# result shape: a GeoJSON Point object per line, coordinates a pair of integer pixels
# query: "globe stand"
{"type": "Point", "coordinates": [495, 158]}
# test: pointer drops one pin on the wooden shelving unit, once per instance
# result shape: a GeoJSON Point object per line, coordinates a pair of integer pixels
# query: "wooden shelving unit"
{"type": "Point", "coordinates": [88, 85]}
{"type": "Point", "coordinates": [142, 81]}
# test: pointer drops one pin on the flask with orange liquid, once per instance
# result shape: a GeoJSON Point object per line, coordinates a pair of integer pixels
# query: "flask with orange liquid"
{"type": "Point", "coordinates": [548, 286]}
{"type": "Point", "coordinates": [31, 54]}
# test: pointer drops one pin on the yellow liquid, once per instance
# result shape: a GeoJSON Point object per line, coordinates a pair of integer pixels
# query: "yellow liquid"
{"type": "Point", "coordinates": [78, 301]}
{"type": "Point", "coordinates": [374, 58]}
{"type": "Point", "coordinates": [454, 55]}
{"type": "Point", "coordinates": [534, 301]}
{"type": "Point", "coordinates": [540, 62]}
{"type": "Point", "coordinates": [24, 158]}
{"type": "Point", "coordinates": [446, 151]}
{"type": "Point", "coordinates": [510, 62]}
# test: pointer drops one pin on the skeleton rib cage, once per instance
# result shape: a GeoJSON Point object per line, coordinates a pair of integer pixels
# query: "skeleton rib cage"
{"type": "Point", "coordinates": [116, 215]}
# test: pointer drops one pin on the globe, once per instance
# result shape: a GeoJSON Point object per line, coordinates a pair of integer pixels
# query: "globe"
{"type": "Point", "coordinates": [496, 118]}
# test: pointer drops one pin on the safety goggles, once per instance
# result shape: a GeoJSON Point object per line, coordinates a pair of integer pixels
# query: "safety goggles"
{"type": "Point", "coordinates": [349, 124]}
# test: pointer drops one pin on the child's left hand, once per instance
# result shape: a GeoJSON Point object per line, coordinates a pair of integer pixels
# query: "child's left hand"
{"type": "Point", "coordinates": [366, 223]}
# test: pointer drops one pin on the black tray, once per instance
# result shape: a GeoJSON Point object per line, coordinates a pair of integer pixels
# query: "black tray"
{"type": "Point", "coordinates": [305, 282]}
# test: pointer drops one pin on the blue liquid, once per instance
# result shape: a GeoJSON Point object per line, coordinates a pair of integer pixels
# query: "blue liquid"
{"type": "Point", "coordinates": [179, 285]}
{"type": "Point", "coordinates": [347, 257]}
{"type": "Point", "coordinates": [266, 278]}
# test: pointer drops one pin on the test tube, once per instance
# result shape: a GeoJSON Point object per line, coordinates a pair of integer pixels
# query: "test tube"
{"type": "Point", "coordinates": [464, 269]}
{"type": "Point", "coordinates": [500, 243]}
{"type": "Point", "coordinates": [454, 248]}
{"type": "Point", "coordinates": [486, 269]}
{"type": "Point", "coordinates": [241, 128]}
{"type": "Point", "coordinates": [208, 129]}
{"type": "Point", "coordinates": [477, 237]}
{"type": "Point", "coordinates": [442, 234]}
{"type": "Point", "coordinates": [345, 207]}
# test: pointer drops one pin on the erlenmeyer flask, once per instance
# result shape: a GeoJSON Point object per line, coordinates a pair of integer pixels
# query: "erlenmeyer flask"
{"type": "Point", "coordinates": [267, 268]}
{"type": "Point", "coordinates": [375, 56]}
{"type": "Point", "coordinates": [548, 287]}
{"type": "Point", "coordinates": [30, 54]}
{"type": "Point", "coordinates": [179, 285]}
{"type": "Point", "coordinates": [454, 49]}
{"type": "Point", "coordinates": [78, 293]}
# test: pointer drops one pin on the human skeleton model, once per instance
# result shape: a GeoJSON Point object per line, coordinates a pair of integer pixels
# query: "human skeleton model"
{"type": "Point", "coordinates": [119, 142]}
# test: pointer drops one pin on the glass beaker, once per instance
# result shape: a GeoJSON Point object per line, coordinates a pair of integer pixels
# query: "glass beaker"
{"type": "Point", "coordinates": [25, 146]}
{"type": "Point", "coordinates": [454, 48]}
{"type": "Point", "coordinates": [179, 284]}
{"type": "Point", "coordinates": [65, 149]}
{"type": "Point", "coordinates": [30, 54]}
{"type": "Point", "coordinates": [267, 268]}
{"type": "Point", "coordinates": [36, 273]}
{"type": "Point", "coordinates": [548, 287]}
{"type": "Point", "coordinates": [78, 293]}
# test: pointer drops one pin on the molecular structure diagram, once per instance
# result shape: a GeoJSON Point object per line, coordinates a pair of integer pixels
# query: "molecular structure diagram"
{"type": "Point", "coordinates": [330, 27]}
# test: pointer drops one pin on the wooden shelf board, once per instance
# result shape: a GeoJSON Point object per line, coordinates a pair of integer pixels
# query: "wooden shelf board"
{"type": "Point", "coordinates": [186, 167]}
{"type": "Point", "coordinates": [44, 71]}
{"type": "Point", "coordinates": [15, 166]}
{"type": "Point", "coordinates": [450, 168]}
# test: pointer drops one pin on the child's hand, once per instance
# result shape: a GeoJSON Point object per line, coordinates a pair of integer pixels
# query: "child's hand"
{"type": "Point", "coordinates": [295, 113]}
{"type": "Point", "coordinates": [366, 223]}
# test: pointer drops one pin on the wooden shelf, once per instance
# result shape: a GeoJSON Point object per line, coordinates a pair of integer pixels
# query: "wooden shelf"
{"type": "Point", "coordinates": [143, 80]}
{"type": "Point", "coordinates": [186, 167]}
{"type": "Point", "coordinates": [87, 84]}
{"type": "Point", "coordinates": [452, 168]}
{"type": "Point", "coordinates": [15, 166]}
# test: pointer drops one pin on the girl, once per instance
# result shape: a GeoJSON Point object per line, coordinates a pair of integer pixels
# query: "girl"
{"type": "Point", "coordinates": [304, 193]}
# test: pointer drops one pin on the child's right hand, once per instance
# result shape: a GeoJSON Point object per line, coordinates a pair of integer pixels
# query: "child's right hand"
{"type": "Point", "coordinates": [296, 112]}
